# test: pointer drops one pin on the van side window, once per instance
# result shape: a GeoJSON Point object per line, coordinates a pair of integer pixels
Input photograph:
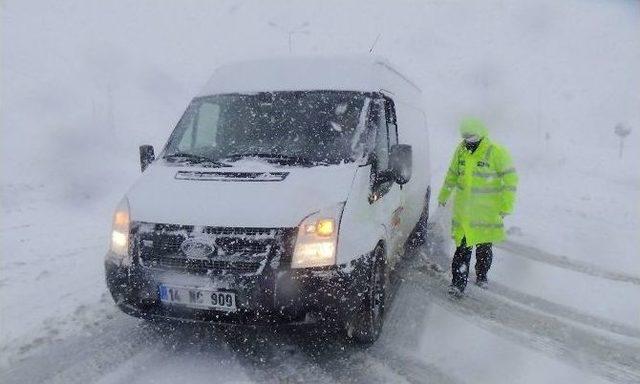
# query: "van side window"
{"type": "Point", "coordinates": [379, 121]}
{"type": "Point", "coordinates": [186, 140]}
{"type": "Point", "coordinates": [392, 124]}
{"type": "Point", "coordinates": [203, 128]}
{"type": "Point", "coordinates": [207, 124]}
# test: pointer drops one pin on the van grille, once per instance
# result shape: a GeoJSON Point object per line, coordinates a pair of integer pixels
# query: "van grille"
{"type": "Point", "coordinates": [234, 250]}
{"type": "Point", "coordinates": [201, 266]}
{"type": "Point", "coordinates": [232, 176]}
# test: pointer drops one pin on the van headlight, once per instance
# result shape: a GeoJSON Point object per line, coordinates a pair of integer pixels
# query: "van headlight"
{"type": "Point", "coordinates": [317, 239]}
{"type": "Point", "coordinates": [120, 233]}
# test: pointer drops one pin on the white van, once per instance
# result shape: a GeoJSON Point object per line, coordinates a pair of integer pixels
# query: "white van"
{"type": "Point", "coordinates": [285, 194]}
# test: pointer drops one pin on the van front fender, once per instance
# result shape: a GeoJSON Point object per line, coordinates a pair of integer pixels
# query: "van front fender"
{"type": "Point", "coordinates": [361, 227]}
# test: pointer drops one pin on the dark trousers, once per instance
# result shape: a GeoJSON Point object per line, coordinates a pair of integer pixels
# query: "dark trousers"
{"type": "Point", "coordinates": [461, 259]}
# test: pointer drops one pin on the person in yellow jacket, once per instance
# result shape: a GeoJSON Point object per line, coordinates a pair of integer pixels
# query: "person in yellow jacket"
{"type": "Point", "coordinates": [483, 182]}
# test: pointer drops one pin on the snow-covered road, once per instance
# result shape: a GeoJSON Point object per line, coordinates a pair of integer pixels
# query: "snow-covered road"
{"type": "Point", "coordinates": [84, 83]}
{"type": "Point", "coordinates": [502, 335]}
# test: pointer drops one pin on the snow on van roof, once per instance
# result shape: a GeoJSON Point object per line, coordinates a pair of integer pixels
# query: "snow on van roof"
{"type": "Point", "coordinates": [344, 73]}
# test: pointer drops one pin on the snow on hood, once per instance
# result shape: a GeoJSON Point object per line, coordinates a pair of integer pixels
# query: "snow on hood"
{"type": "Point", "coordinates": [163, 196]}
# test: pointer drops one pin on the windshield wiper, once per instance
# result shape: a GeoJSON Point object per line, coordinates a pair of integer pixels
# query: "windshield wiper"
{"type": "Point", "coordinates": [277, 158]}
{"type": "Point", "coordinates": [194, 159]}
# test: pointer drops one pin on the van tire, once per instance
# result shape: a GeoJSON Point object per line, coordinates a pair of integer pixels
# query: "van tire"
{"type": "Point", "coordinates": [366, 323]}
{"type": "Point", "coordinates": [418, 236]}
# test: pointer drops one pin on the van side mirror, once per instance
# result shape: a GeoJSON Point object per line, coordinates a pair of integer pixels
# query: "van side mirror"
{"type": "Point", "coordinates": [146, 156]}
{"type": "Point", "coordinates": [401, 163]}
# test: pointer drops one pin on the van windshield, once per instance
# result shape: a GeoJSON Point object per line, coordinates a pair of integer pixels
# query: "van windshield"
{"type": "Point", "coordinates": [291, 128]}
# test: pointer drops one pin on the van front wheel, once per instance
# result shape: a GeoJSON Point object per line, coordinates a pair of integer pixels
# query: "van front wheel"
{"type": "Point", "coordinates": [366, 324]}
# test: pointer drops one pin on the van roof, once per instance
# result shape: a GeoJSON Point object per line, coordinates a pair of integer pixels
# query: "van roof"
{"type": "Point", "coordinates": [343, 73]}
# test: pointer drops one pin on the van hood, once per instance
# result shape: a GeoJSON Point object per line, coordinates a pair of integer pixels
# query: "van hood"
{"type": "Point", "coordinates": [252, 194]}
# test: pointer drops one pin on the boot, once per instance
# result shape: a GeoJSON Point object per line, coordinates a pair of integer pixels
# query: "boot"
{"type": "Point", "coordinates": [455, 291]}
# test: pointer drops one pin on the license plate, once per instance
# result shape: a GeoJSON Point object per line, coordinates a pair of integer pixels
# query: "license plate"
{"type": "Point", "coordinates": [197, 298]}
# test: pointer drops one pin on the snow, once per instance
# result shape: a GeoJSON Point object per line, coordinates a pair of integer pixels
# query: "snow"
{"type": "Point", "coordinates": [607, 299]}
{"type": "Point", "coordinates": [467, 357]}
{"type": "Point", "coordinates": [84, 83]}
{"type": "Point", "coordinates": [200, 367]}
{"type": "Point", "coordinates": [345, 73]}
{"type": "Point", "coordinates": [160, 197]}
{"type": "Point", "coordinates": [606, 234]}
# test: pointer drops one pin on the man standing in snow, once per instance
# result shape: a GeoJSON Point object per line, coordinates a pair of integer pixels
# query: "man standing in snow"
{"type": "Point", "coordinates": [484, 181]}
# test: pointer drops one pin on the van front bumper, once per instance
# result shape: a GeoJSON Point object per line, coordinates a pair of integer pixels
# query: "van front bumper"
{"type": "Point", "coordinates": [284, 296]}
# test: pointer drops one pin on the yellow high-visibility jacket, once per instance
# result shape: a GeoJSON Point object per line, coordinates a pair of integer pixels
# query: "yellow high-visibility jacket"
{"type": "Point", "coordinates": [484, 185]}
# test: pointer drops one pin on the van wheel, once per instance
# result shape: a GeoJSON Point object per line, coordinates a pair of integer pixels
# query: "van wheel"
{"type": "Point", "coordinates": [366, 324]}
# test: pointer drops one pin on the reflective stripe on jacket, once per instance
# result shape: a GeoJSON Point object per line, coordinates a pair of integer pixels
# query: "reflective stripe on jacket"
{"type": "Point", "coordinates": [484, 186]}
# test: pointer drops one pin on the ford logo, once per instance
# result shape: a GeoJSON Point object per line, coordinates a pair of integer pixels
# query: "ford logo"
{"type": "Point", "coordinates": [195, 248]}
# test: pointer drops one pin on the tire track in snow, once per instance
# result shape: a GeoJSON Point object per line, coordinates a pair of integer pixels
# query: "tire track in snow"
{"type": "Point", "coordinates": [315, 355]}
{"type": "Point", "coordinates": [603, 356]}
{"type": "Point", "coordinates": [433, 254]}
{"type": "Point", "coordinates": [296, 354]}
{"type": "Point", "coordinates": [386, 361]}
{"type": "Point", "coordinates": [258, 355]}
{"type": "Point", "coordinates": [275, 355]}
{"type": "Point", "coordinates": [86, 357]}
{"type": "Point", "coordinates": [405, 315]}
{"type": "Point", "coordinates": [563, 311]}
{"type": "Point", "coordinates": [323, 358]}
{"type": "Point", "coordinates": [106, 350]}
{"type": "Point", "coordinates": [412, 369]}
{"type": "Point", "coordinates": [539, 255]}
{"type": "Point", "coordinates": [379, 363]}
{"type": "Point", "coordinates": [311, 355]}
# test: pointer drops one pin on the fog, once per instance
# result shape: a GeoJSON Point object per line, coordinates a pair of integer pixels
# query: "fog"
{"type": "Point", "coordinates": [106, 76]}
{"type": "Point", "coordinates": [84, 83]}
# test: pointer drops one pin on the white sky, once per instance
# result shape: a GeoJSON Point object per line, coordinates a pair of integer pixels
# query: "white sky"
{"type": "Point", "coordinates": [528, 67]}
